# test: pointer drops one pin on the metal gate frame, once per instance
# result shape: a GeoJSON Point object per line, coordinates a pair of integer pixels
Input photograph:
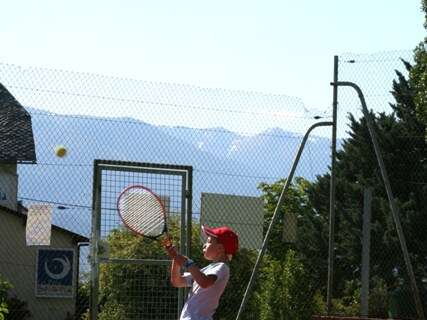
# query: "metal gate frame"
{"type": "Point", "coordinates": [186, 172]}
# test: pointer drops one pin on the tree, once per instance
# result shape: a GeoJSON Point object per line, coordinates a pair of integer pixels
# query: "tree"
{"type": "Point", "coordinates": [418, 79]}
{"type": "Point", "coordinates": [401, 136]}
{"type": "Point", "coordinates": [312, 226]}
{"type": "Point", "coordinates": [418, 75]}
{"type": "Point", "coordinates": [403, 150]}
{"type": "Point", "coordinates": [424, 8]}
{"type": "Point", "coordinates": [292, 274]}
{"type": "Point", "coordinates": [285, 293]}
{"type": "Point", "coordinates": [240, 271]}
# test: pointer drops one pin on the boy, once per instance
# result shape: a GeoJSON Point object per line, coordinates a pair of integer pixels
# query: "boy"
{"type": "Point", "coordinates": [207, 284]}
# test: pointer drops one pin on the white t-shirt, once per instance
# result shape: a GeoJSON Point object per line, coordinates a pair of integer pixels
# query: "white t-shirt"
{"type": "Point", "coordinates": [202, 302]}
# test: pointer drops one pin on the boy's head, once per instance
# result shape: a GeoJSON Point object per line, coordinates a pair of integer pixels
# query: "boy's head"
{"type": "Point", "coordinates": [226, 237]}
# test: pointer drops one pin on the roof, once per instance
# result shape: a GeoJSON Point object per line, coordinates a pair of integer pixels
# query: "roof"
{"type": "Point", "coordinates": [20, 214]}
{"type": "Point", "coordinates": [16, 133]}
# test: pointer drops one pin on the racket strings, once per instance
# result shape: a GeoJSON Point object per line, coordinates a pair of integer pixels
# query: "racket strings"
{"type": "Point", "coordinates": [142, 212]}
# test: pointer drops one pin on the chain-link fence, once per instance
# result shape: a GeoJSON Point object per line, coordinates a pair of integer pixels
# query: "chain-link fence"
{"type": "Point", "coordinates": [362, 201]}
{"type": "Point", "coordinates": [234, 140]}
{"type": "Point", "coordinates": [241, 146]}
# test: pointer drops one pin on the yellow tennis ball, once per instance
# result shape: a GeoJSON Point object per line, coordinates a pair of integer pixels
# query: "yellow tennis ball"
{"type": "Point", "coordinates": [60, 151]}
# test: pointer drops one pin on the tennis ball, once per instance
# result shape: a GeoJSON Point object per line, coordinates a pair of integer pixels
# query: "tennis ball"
{"type": "Point", "coordinates": [60, 151]}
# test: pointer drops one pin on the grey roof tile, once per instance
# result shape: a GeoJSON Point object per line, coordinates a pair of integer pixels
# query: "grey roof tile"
{"type": "Point", "coordinates": [16, 133]}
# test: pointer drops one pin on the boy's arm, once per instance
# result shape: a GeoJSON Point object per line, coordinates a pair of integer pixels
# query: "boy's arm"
{"type": "Point", "coordinates": [177, 279]}
{"type": "Point", "coordinates": [203, 280]}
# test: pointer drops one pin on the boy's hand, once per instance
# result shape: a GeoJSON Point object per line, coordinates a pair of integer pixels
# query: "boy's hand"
{"type": "Point", "coordinates": [173, 254]}
{"type": "Point", "coordinates": [171, 251]}
{"type": "Point", "coordinates": [169, 247]}
{"type": "Point", "coordinates": [167, 242]}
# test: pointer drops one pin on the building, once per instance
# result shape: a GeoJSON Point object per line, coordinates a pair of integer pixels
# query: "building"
{"type": "Point", "coordinates": [20, 265]}
{"type": "Point", "coordinates": [45, 277]}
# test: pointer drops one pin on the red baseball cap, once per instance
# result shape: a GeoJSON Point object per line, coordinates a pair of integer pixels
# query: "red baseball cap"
{"type": "Point", "coordinates": [226, 236]}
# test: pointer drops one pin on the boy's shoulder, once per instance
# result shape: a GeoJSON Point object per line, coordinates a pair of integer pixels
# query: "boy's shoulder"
{"type": "Point", "coordinates": [217, 266]}
{"type": "Point", "coordinates": [218, 263]}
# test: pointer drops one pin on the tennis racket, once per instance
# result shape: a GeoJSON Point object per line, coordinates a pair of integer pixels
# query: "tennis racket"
{"type": "Point", "coordinates": [143, 212]}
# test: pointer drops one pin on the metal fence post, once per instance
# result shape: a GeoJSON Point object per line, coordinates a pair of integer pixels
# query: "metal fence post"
{"type": "Point", "coordinates": [366, 241]}
{"type": "Point", "coordinates": [331, 254]}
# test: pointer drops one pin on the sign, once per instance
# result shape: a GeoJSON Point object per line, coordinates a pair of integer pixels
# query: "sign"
{"type": "Point", "coordinates": [39, 225]}
{"type": "Point", "coordinates": [243, 214]}
{"type": "Point", "coordinates": [55, 273]}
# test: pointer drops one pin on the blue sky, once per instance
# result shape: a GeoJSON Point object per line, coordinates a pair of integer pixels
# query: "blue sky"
{"type": "Point", "coordinates": [281, 47]}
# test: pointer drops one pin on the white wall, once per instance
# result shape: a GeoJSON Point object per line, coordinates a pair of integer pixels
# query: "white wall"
{"type": "Point", "coordinates": [18, 266]}
{"type": "Point", "coordinates": [241, 213]}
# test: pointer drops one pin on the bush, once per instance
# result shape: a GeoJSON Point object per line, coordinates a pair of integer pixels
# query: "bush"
{"type": "Point", "coordinates": [378, 298]}
{"type": "Point", "coordinates": [112, 311]}
{"type": "Point", "coordinates": [240, 272]}
{"type": "Point", "coordinates": [10, 306]}
{"type": "Point", "coordinates": [4, 288]}
{"type": "Point", "coordinates": [286, 292]}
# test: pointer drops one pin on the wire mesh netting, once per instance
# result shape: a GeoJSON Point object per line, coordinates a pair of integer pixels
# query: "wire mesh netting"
{"type": "Point", "coordinates": [387, 82]}
{"type": "Point", "coordinates": [133, 276]}
{"type": "Point", "coordinates": [241, 146]}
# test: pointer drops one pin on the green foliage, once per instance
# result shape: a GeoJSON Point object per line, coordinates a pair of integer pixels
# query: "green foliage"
{"type": "Point", "coordinates": [349, 303]}
{"type": "Point", "coordinates": [10, 306]}
{"type": "Point", "coordinates": [401, 138]}
{"type": "Point", "coordinates": [378, 298]}
{"type": "Point", "coordinates": [418, 80]}
{"type": "Point", "coordinates": [400, 301]}
{"type": "Point", "coordinates": [296, 203]}
{"type": "Point", "coordinates": [82, 302]}
{"type": "Point", "coordinates": [18, 309]}
{"type": "Point", "coordinates": [4, 288]}
{"type": "Point", "coordinates": [113, 311]}
{"type": "Point", "coordinates": [286, 292]}
{"type": "Point", "coordinates": [123, 284]}
{"type": "Point", "coordinates": [401, 135]}
{"type": "Point", "coordinates": [424, 8]}
{"type": "Point", "coordinates": [312, 226]}
{"type": "Point", "coordinates": [240, 270]}
{"type": "Point", "coordinates": [3, 310]}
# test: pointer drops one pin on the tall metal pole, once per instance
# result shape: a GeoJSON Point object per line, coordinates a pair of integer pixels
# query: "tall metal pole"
{"type": "Point", "coordinates": [366, 244]}
{"type": "Point", "coordinates": [331, 254]}
{"type": "Point", "coordinates": [392, 203]}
